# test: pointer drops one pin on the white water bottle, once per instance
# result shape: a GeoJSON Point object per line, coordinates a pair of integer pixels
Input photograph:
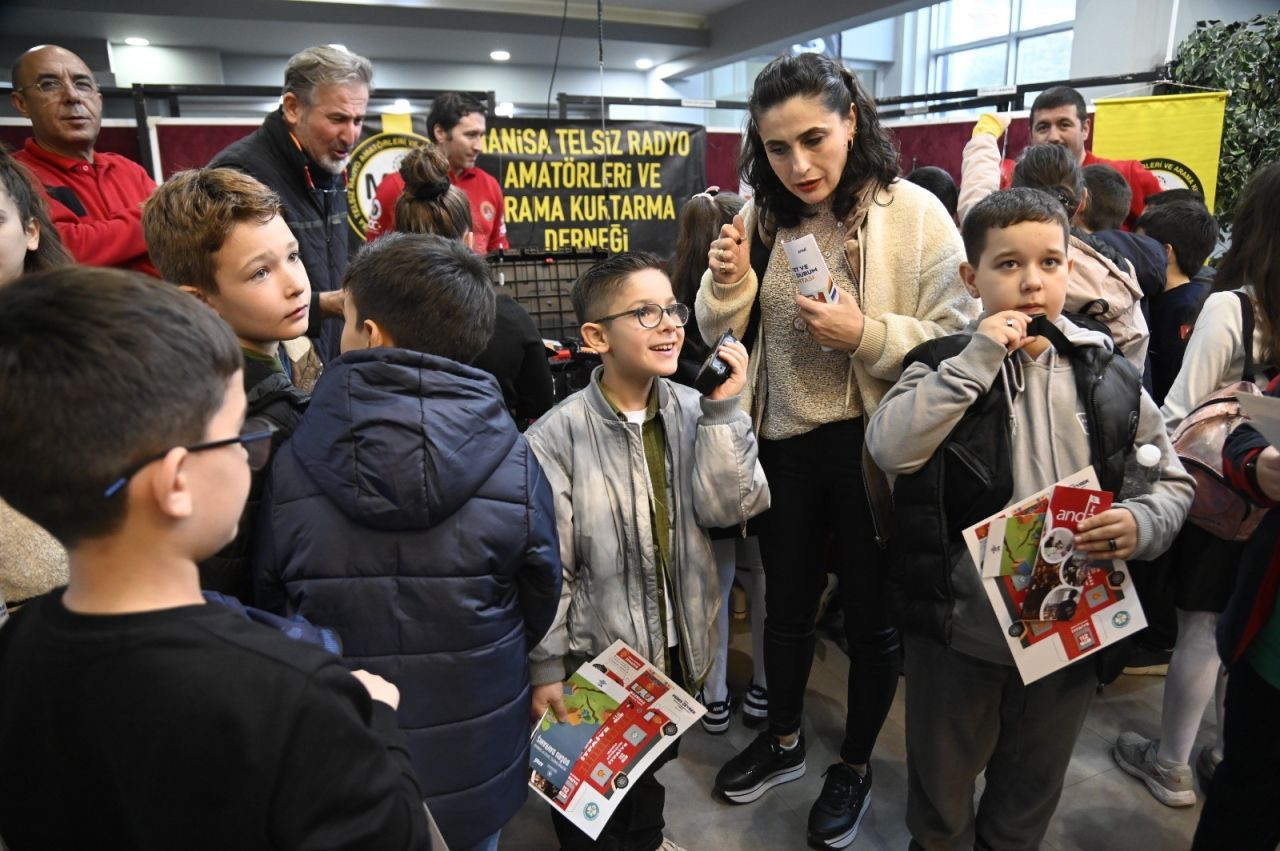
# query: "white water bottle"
{"type": "Point", "coordinates": [1142, 471]}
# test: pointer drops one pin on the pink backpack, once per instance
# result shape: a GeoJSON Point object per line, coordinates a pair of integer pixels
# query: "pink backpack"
{"type": "Point", "coordinates": [1198, 440]}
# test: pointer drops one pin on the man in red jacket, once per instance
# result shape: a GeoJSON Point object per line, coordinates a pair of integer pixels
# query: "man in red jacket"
{"type": "Point", "coordinates": [457, 124]}
{"type": "Point", "coordinates": [95, 198]}
{"type": "Point", "coordinates": [1059, 115]}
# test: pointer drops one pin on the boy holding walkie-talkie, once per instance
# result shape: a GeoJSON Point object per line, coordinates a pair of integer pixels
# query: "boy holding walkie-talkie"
{"type": "Point", "coordinates": [640, 468]}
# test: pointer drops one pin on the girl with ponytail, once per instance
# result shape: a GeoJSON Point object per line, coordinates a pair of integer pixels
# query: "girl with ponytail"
{"type": "Point", "coordinates": [515, 356]}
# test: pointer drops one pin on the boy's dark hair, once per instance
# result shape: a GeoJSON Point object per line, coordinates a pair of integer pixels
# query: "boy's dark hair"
{"type": "Point", "coordinates": [20, 185]}
{"type": "Point", "coordinates": [596, 286]}
{"type": "Point", "coordinates": [872, 157]}
{"type": "Point", "coordinates": [1187, 226]}
{"type": "Point", "coordinates": [1005, 209]}
{"type": "Point", "coordinates": [450, 108]}
{"type": "Point", "coordinates": [430, 203]}
{"type": "Point", "coordinates": [100, 369]}
{"type": "Point", "coordinates": [1169, 196]}
{"type": "Point", "coordinates": [940, 182]}
{"type": "Point", "coordinates": [190, 216]}
{"type": "Point", "coordinates": [432, 295]}
{"type": "Point", "coordinates": [1054, 169]}
{"type": "Point", "coordinates": [1057, 96]}
{"type": "Point", "coordinates": [1109, 197]}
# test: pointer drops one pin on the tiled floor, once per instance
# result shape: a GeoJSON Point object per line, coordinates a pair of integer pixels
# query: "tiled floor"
{"type": "Point", "coordinates": [1101, 807]}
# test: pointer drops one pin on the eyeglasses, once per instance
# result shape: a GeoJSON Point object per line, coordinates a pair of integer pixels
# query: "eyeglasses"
{"type": "Point", "coordinates": [650, 315]}
{"type": "Point", "coordinates": [254, 437]}
{"type": "Point", "coordinates": [50, 86]}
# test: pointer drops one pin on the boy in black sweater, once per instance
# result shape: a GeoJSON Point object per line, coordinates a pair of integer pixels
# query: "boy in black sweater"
{"type": "Point", "coordinates": [169, 723]}
{"type": "Point", "coordinates": [1187, 232]}
{"type": "Point", "coordinates": [221, 236]}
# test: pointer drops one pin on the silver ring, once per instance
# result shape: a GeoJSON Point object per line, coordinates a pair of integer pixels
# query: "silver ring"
{"type": "Point", "coordinates": [1009, 322]}
{"type": "Point", "coordinates": [722, 267]}
{"type": "Point", "coordinates": [1111, 543]}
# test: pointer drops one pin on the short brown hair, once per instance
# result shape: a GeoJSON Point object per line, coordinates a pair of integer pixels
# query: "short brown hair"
{"type": "Point", "coordinates": [191, 214]}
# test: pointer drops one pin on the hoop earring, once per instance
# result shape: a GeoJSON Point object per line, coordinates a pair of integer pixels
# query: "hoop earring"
{"type": "Point", "coordinates": [850, 144]}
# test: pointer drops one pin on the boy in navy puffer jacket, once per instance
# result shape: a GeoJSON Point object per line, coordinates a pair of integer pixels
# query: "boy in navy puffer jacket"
{"type": "Point", "coordinates": [408, 514]}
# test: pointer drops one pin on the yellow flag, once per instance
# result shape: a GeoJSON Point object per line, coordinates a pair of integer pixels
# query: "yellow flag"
{"type": "Point", "coordinates": [1177, 137]}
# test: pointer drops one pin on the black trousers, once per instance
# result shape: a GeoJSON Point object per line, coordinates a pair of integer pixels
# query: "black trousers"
{"type": "Point", "coordinates": [1240, 812]}
{"type": "Point", "coordinates": [817, 489]}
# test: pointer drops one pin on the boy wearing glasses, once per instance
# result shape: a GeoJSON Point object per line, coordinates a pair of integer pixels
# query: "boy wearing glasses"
{"type": "Point", "coordinates": [408, 514]}
{"type": "Point", "coordinates": [171, 723]}
{"type": "Point", "coordinates": [219, 234]}
{"type": "Point", "coordinates": [640, 468]}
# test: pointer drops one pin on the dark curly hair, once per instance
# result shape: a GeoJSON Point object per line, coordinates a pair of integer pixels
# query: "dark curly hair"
{"type": "Point", "coordinates": [873, 156]}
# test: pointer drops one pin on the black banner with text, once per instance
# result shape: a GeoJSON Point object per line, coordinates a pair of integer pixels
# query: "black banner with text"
{"type": "Point", "coordinates": [577, 185]}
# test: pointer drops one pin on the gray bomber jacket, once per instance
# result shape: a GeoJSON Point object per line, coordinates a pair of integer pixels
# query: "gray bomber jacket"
{"type": "Point", "coordinates": [596, 466]}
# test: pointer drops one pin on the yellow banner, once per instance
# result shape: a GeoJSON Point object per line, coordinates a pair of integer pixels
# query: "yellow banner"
{"type": "Point", "coordinates": [1177, 137]}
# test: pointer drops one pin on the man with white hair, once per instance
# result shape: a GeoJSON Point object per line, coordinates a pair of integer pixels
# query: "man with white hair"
{"type": "Point", "coordinates": [301, 152]}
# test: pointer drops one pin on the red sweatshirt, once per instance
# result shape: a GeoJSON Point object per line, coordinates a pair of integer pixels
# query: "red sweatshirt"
{"type": "Point", "coordinates": [481, 190]}
{"type": "Point", "coordinates": [97, 207]}
{"type": "Point", "coordinates": [1141, 181]}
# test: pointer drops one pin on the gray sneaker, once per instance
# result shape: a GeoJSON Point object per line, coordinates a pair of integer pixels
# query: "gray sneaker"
{"type": "Point", "coordinates": [1172, 787]}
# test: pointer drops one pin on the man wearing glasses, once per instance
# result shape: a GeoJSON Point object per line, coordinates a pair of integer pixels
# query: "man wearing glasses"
{"type": "Point", "coordinates": [95, 198]}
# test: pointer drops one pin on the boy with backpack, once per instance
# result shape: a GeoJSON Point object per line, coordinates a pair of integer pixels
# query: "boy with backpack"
{"type": "Point", "coordinates": [995, 414]}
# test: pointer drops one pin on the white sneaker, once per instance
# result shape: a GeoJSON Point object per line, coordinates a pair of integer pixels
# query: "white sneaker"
{"type": "Point", "coordinates": [1171, 786]}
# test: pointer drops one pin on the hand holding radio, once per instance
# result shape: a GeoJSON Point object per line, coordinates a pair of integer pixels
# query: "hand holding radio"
{"type": "Point", "coordinates": [724, 373]}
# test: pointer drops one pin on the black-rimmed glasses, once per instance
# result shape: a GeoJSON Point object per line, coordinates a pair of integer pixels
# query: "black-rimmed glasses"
{"type": "Point", "coordinates": [650, 315]}
{"type": "Point", "coordinates": [255, 436]}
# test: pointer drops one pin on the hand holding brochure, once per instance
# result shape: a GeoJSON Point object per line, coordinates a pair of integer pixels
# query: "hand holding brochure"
{"type": "Point", "coordinates": [1054, 605]}
{"type": "Point", "coordinates": [813, 276]}
{"type": "Point", "coordinates": [623, 713]}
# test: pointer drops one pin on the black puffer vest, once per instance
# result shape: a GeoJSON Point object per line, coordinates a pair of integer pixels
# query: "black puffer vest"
{"type": "Point", "coordinates": [969, 477]}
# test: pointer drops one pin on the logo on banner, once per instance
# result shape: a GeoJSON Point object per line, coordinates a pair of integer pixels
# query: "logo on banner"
{"type": "Point", "coordinates": [1173, 174]}
{"type": "Point", "coordinates": [372, 160]}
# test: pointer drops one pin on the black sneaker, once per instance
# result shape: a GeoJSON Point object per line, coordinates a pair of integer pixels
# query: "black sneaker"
{"type": "Point", "coordinates": [835, 816]}
{"type": "Point", "coordinates": [755, 707]}
{"type": "Point", "coordinates": [761, 766]}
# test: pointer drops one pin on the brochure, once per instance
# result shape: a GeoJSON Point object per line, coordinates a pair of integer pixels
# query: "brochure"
{"type": "Point", "coordinates": [813, 276]}
{"type": "Point", "coordinates": [1264, 415]}
{"type": "Point", "coordinates": [623, 713]}
{"type": "Point", "coordinates": [1053, 604]}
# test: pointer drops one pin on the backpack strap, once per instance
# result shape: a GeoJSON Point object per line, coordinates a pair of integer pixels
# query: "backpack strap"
{"type": "Point", "coordinates": [759, 264]}
{"type": "Point", "coordinates": [1246, 327]}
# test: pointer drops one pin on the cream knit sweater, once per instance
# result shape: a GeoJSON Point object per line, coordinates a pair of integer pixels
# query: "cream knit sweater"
{"type": "Point", "coordinates": [909, 290]}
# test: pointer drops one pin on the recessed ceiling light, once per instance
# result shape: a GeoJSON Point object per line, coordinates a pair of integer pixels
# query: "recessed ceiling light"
{"type": "Point", "coordinates": [401, 105]}
{"type": "Point", "coordinates": [506, 109]}
{"type": "Point", "coordinates": [136, 41]}
{"type": "Point", "coordinates": [500, 55]}
{"type": "Point", "coordinates": [644, 64]}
